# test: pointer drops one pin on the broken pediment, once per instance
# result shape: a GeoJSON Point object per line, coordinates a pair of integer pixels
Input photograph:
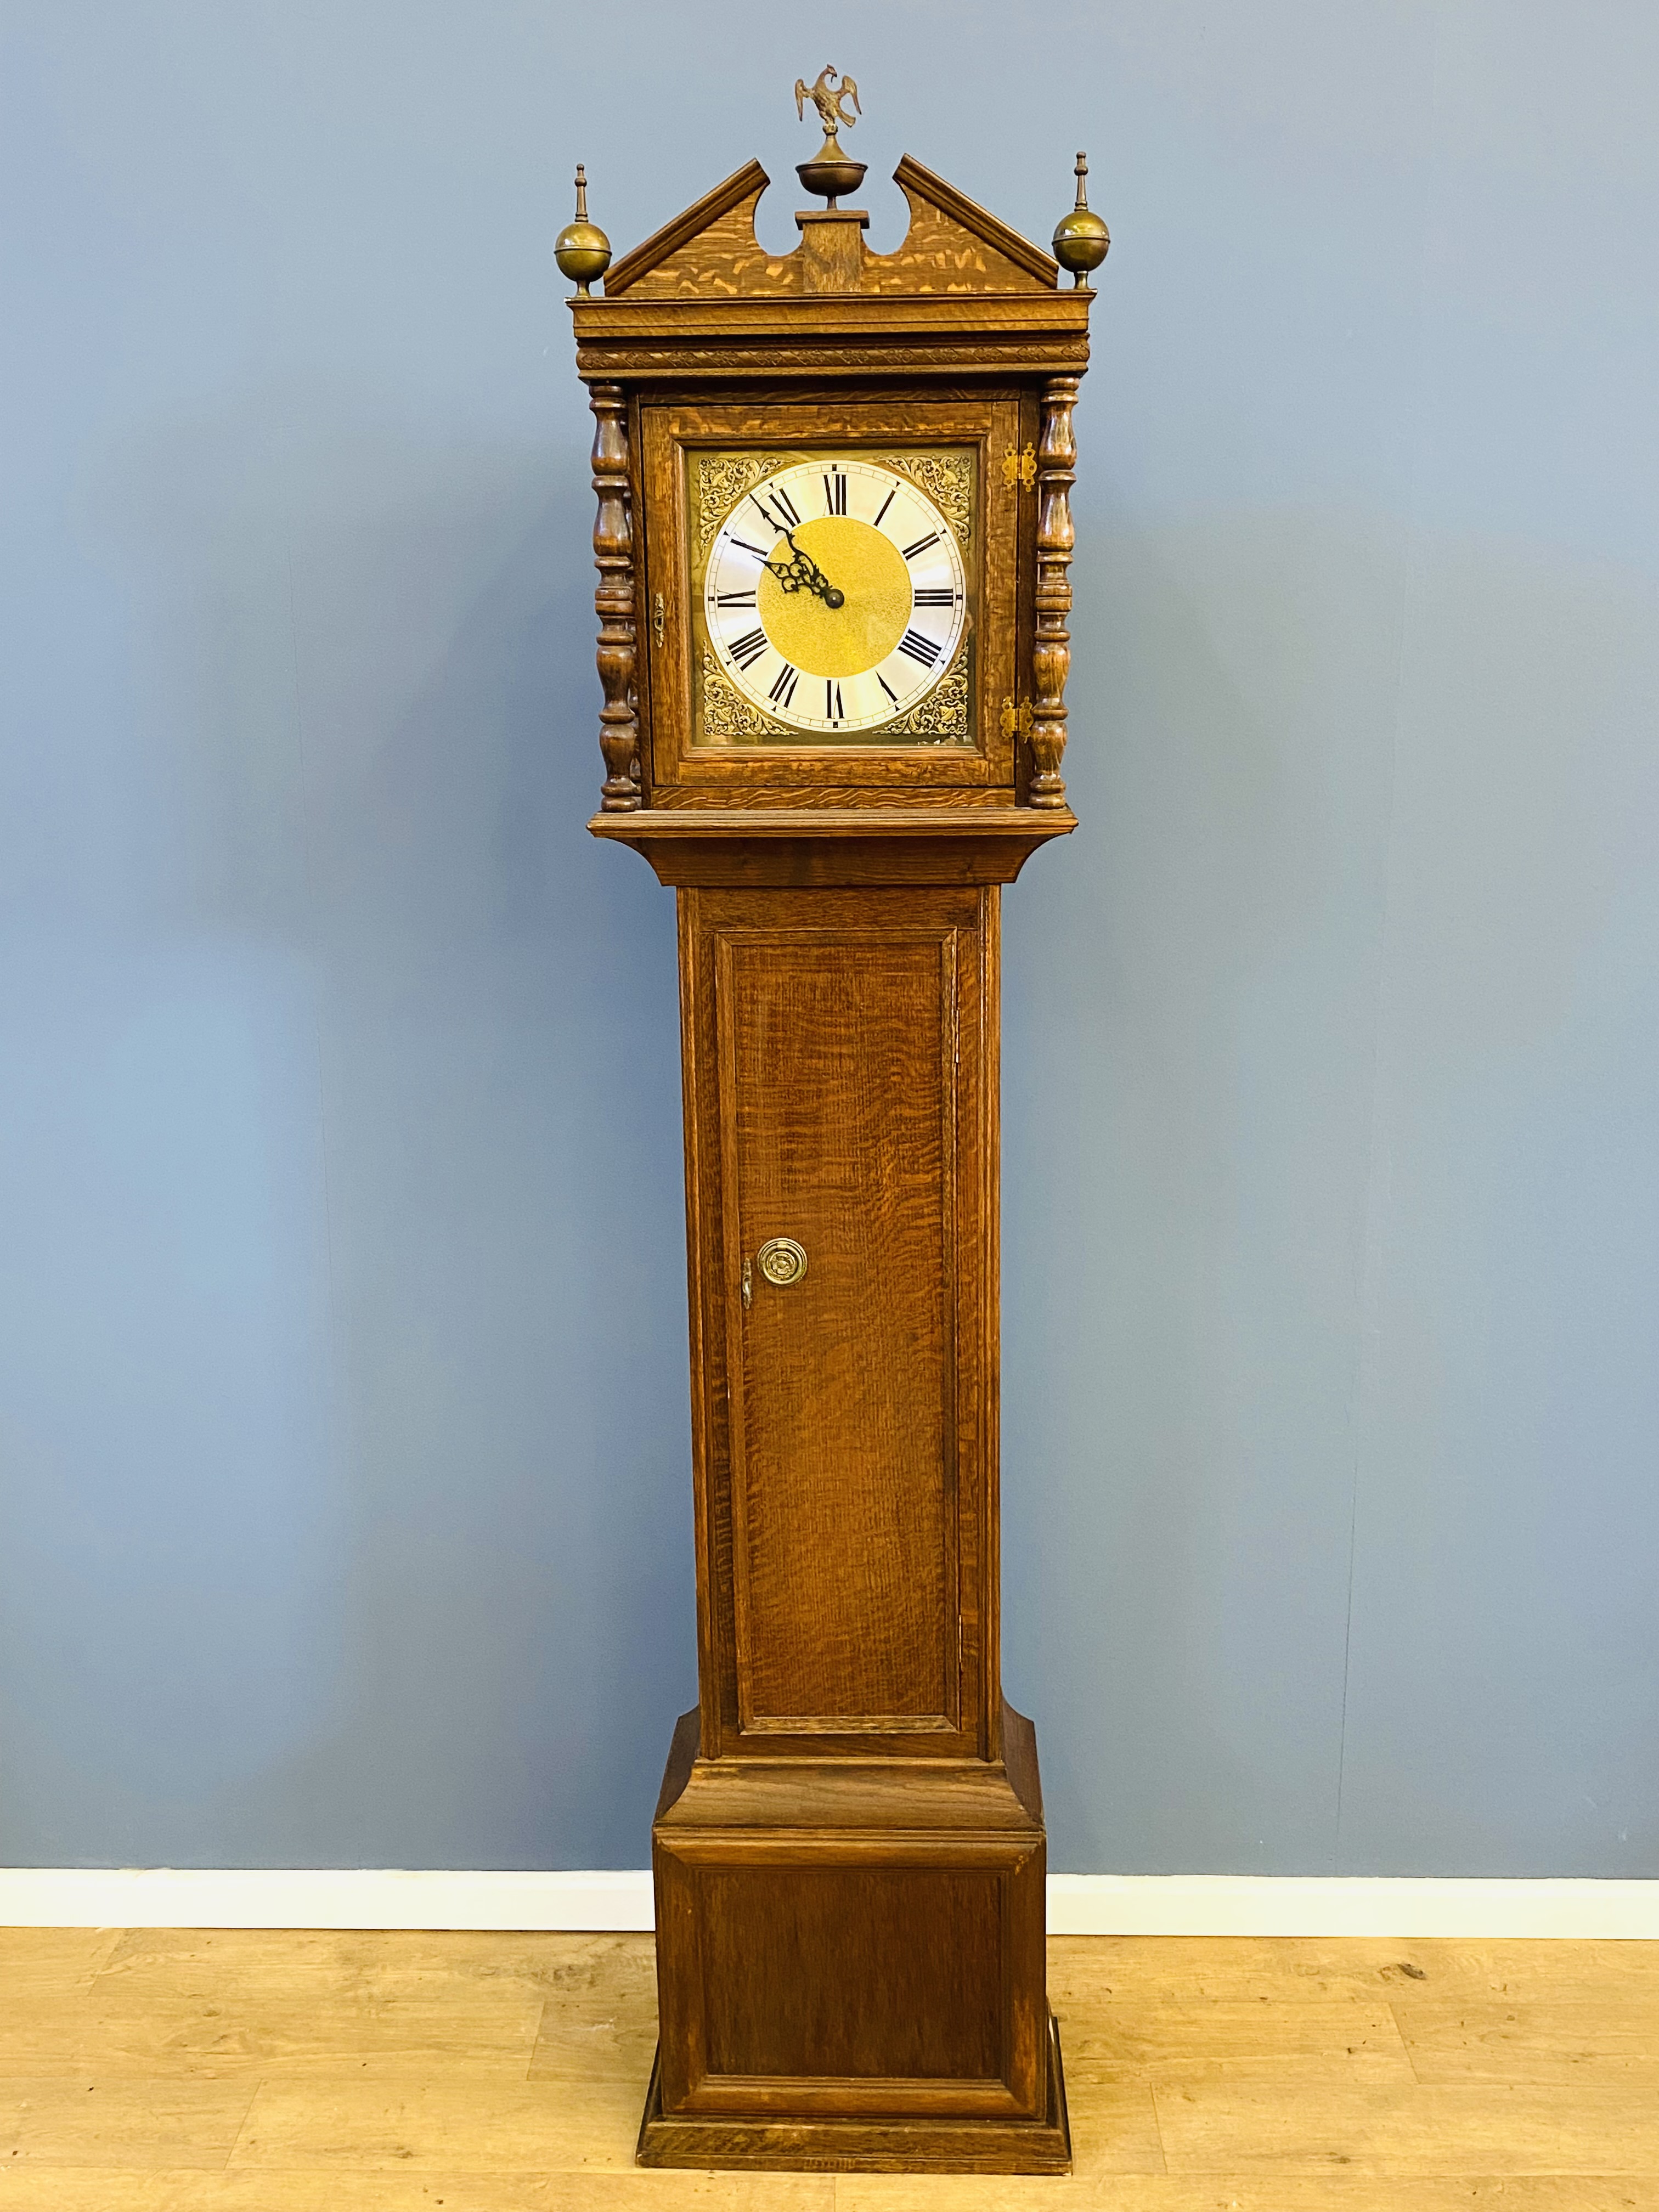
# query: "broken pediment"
{"type": "Point", "coordinates": [952, 245]}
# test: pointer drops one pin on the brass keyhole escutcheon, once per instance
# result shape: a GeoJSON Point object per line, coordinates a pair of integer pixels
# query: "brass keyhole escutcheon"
{"type": "Point", "coordinates": [782, 1260]}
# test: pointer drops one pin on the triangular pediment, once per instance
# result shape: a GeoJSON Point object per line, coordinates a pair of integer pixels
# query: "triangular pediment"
{"type": "Point", "coordinates": [954, 245]}
{"type": "Point", "coordinates": [711, 251]}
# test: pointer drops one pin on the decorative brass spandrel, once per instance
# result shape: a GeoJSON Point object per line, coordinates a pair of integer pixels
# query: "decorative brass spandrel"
{"type": "Point", "coordinates": [941, 719]}
{"type": "Point", "coordinates": [728, 717]}
{"type": "Point", "coordinates": [948, 481]}
{"type": "Point", "coordinates": [720, 481]}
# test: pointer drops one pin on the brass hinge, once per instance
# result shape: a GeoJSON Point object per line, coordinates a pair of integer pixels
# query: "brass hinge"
{"type": "Point", "coordinates": [1020, 468]}
{"type": "Point", "coordinates": [1016, 720]}
{"type": "Point", "coordinates": [658, 620]}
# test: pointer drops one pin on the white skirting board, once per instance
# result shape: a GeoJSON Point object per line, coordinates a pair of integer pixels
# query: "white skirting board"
{"type": "Point", "coordinates": [606, 1901]}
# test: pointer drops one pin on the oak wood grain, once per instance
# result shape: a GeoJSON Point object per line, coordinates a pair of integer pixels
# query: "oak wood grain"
{"type": "Point", "coordinates": [710, 251]}
{"type": "Point", "coordinates": [838, 1053]}
{"type": "Point", "coordinates": [822, 848]}
{"type": "Point", "coordinates": [938, 1354]}
{"type": "Point", "coordinates": [924, 339]}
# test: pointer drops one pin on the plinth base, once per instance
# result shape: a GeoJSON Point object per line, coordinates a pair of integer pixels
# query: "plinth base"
{"type": "Point", "coordinates": [916, 2144]}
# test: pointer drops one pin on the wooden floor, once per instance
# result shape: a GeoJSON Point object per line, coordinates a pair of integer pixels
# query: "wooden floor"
{"type": "Point", "coordinates": [191, 2072]}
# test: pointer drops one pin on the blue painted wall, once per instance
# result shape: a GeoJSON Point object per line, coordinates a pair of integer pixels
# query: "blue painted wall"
{"type": "Point", "coordinates": [343, 1494]}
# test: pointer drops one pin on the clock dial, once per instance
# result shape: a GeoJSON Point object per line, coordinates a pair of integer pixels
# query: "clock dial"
{"type": "Point", "coordinates": [835, 595]}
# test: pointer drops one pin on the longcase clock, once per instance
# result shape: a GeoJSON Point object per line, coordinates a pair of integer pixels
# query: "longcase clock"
{"type": "Point", "coordinates": [833, 540]}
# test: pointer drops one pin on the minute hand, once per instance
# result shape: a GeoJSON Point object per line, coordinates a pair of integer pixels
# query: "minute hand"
{"type": "Point", "coordinates": [801, 573]}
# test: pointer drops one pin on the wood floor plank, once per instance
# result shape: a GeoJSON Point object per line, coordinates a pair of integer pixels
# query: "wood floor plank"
{"type": "Point", "coordinates": [1244, 1968]}
{"type": "Point", "coordinates": [1327, 2192]}
{"type": "Point", "coordinates": [1533, 2039]}
{"type": "Point", "coordinates": [376, 1963]}
{"type": "Point", "coordinates": [37, 1961]}
{"type": "Point", "coordinates": [121, 2122]}
{"type": "Point", "coordinates": [619, 2041]}
{"type": "Point", "coordinates": [260, 2071]}
{"type": "Point", "coordinates": [1561, 1972]}
{"type": "Point", "coordinates": [1338, 2034]}
{"type": "Point", "coordinates": [197, 2039]}
{"type": "Point", "coordinates": [1114, 2129]}
{"type": "Point", "coordinates": [211, 2003]}
{"type": "Point", "coordinates": [415, 2126]}
{"type": "Point", "coordinates": [600, 2013]}
{"type": "Point", "coordinates": [68, 2189]}
{"type": "Point", "coordinates": [1231, 2125]}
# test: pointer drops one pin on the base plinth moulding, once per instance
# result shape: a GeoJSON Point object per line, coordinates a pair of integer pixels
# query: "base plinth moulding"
{"type": "Point", "coordinates": [913, 2144]}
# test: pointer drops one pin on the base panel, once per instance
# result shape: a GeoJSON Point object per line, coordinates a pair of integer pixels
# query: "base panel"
{"type": "Point", "coordinates": [908, 2145]}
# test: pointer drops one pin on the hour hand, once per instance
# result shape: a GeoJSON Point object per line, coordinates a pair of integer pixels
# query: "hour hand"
{"type": "Point", "coordinates": [801, 573]}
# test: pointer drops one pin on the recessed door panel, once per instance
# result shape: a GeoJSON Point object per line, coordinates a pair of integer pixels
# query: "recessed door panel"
{"type": "Point", "coordinates": [800, 1964]}
{"type": "Point", "coordinates": [837, 1060]}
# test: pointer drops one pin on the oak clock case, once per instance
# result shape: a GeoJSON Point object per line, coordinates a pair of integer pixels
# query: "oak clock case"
{"type": "Point", "coordinates": [833, 540]}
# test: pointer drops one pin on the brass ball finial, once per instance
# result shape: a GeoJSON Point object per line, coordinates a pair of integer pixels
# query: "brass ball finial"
{"type": "Point", "coordinates": [1081, 239]}
{"type": "Point", "coordinates": [581, 248]}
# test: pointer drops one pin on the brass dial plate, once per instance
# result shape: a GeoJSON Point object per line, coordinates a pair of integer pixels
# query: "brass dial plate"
{"type": "Point", "coordinates": [835, 597]}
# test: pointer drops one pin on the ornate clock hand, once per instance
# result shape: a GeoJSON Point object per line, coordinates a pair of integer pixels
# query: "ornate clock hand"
{"type": "Point", "coordinates": [802, 574]}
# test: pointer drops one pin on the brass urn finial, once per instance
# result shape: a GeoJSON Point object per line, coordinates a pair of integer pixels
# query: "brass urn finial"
{"type": "Point", "coordinates": [581, 248]}
{"type": "Point", "coordinates": [1081, 239]}
{"type": "Point", "coordinates": [829, 172]}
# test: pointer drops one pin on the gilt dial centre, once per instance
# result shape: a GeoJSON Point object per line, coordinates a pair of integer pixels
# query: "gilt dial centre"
{"type": "Point", "coordinates": [868, 570]}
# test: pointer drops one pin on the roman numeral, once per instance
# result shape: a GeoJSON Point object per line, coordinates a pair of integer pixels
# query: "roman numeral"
{"type": "Point", "coordinates": [832, 707]}
{"type": "Point", "coordinates": [780, 505]}
{"type": "Point", "coordinates": [744, 546]}
{"type": "Point", "coordinates": [886, 503]}
{"type": "Point", "coordinates": [887, 687]}
{"type": "Point", "coordinates": [919, 648]}
{"type": "Point", "coordinates": [737, 598]}
{"type": "Point", "coordinates": [922, 545]}
{"type": "Point", "coordinates": [835, 494]}
{"type": "Point", "coordinates": [783, 691]}
{"type": "Point", "coordinates": [932, 598]}
{"type": "Point", "coordinates": [748, 647]}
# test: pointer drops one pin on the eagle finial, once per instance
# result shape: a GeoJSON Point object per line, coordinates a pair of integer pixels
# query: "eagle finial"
{"type": "Point", "coordinates": [832, 95]}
